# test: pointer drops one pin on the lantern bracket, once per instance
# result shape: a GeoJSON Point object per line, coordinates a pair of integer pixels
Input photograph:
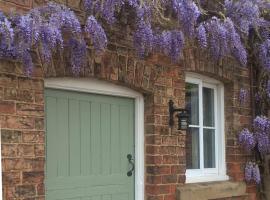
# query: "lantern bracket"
{"type": "Point", "coordinates": [182, 114]}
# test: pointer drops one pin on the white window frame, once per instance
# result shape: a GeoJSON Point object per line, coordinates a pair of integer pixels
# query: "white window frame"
{"type": "Point", "coordinates": [91, 85]}
{"type": "Point", "coordinates": [218, 173]}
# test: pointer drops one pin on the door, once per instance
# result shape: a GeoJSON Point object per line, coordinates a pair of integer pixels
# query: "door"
{"type": "Point", "coordinates": [88, 138]}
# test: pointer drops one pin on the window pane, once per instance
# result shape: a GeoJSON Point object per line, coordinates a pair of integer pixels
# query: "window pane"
{"type": "Point", "coordinates": [209, 148]}
{"type": "Point", "coordinates": [208, 107]}
{"type": "Point", "coordinates": [193, 149]}
{"type": "Point", "coordinates": [192, 102]}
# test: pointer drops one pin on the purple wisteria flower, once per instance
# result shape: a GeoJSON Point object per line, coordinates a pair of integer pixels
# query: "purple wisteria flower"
{"type": "Point", "coordinates": [188, 13]}
{"type": "Point", "coordinates": [218, 40]}
{"type": "Point", "coordinates": [88, 5]}
{"type": "Point", "coordinates": [201, 36]}
{"type": "Point", "coordinates": [261, 124]}
{"type": "Point", "coordinates": [249, 171]}
{"type": "Point", "coordinates": [247, 140]}
{"type": "Point", "coordinates": [252, 173]}
{"type": "Point", "coordinates": [268, 88]}
{"type": "Point", "coordinates": [27, 62]}
{"type": "Point", "coordinates": [243, 94]}
{"type": "Point", "coordinates": [257, 97]}
{"type": "Point", "coordinates": [143, 38]}
{"type": "Point", "coordinates": [170, 43]}
{"type": "Point", "coordinates": [256, 174]}
{"type": "Point", "coordinates": [224, 40]}
{"type": "Point", "coordinates": [78, 52]}
{"type": "Point", "coordinates": [133, 3]}
{"type": "Point", "coordinates": [28, 28]}
{"type": "Point", "coordinates": [106, 8]}
{"type": "Point", "coordinates": [7, 47]}
{"type": "Point", "coordinates": [174, 41]}
{"type": "Point", "coordinates": [97, 34]}
{"type": "Point", "coordinates": [263, 143]}
{"type": "Point", "coordinates": [50, 37]}
{"type": "Point", "coordinates": [244, 13]}
{"type": "Point", "coordinates": [6, 31]}
{"type": "Point", "coordinates": [264, 54]}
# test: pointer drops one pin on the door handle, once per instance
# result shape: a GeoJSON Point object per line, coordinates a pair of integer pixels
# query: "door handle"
{"type": "Point", "coordinates": [131, 162]}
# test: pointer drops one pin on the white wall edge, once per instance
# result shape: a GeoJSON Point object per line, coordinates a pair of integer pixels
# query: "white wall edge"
{"type": "Point", "coordinates": [95, 86]}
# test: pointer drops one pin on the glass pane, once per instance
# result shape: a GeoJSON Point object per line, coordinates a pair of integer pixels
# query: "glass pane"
{"type": "Point", "coordinates": [192, 102]}
{"type": "Point", "coordinates": [209, 148]}
{"type": "Point", "coordinates": [193, 149]}
{"type": "Point", "coordinates": [208, 107]}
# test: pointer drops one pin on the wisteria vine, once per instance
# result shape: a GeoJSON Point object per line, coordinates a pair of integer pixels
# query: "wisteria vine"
{"type": "Point", "coordinates": [237, 28]}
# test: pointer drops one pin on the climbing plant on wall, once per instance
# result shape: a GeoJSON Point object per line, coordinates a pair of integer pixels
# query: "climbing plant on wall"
{"type": "Point", "coordinates": [225, 28]}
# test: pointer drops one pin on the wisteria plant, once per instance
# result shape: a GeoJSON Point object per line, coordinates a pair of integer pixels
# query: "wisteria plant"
{"type": "Point", "coordinates": [225, 28]}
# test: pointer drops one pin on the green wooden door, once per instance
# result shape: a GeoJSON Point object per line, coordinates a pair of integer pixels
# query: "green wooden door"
{"type": "Point", "coordinates": [88, 138]}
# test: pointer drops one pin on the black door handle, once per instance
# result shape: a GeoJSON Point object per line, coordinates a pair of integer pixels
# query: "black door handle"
{"type": "Point", "coordinates": [131, 162]}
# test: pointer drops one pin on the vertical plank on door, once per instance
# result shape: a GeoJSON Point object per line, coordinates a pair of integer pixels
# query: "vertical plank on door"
{"type": "Point", "coordinates": [124, 137]}
{"type": "Point", "coordinates": [62, 127]}
{"type": "Point", "coordinates": [115, 139]}
{"type": "Point", "coordinates": [85, 138]}
{"type": "Point", "coordinates": [105, 138]}
{"type": "Point", "coordinates": [95, 138]}
{"type": "Point", "coordinates": [75, 138]}
{"type": "Point", "coordinates": [51, 139]}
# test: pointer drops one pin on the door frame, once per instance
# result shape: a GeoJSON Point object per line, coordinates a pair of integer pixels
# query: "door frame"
{"type": "Point", "coordinates": [90, 85]}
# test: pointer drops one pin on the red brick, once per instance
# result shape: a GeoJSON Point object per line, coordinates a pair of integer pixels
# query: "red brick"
{"type": "Point", "coordinates": [152, 150]}
{"type": "Point", "coordinates": [169, 179]}
{"type": "Point", "coordinates": [158, 170]}
{"type": "Point", "coordinates": [39, 124]}
{"type": "Point", "coordinates": [167, 159]}
{"type": "Point", "coordinates": [24, 191]}
{"type": "Point", "coordinates": [153, 139]}
{"type": "Point", "coordinates": [26, 109]}
{"type": "Point", "coordinates": [39, 150]}
{"type": "Point", "coordinates": [10, 136]}
{"type": "Point", "coordinates": [33, 137]}
{"type": "Point", "coordinates": [7, 107]}
{"type": "Point", "coordinates": [11, 178]}
{"type": "Point", "coordinates": [170, 197]}
{"type": "Point", "coordinates": [15, 164]}
{"type": "Point", "coordinates": [33, 177]}
{"type": "Point", "coordinates": [153, 159]}
{"type": "Point", "coordinates": [154, 179]}
{"type": "Point", "coordinates": [41, 189]}
{"type": "Point", "coordinates": [170, 140]}
{"type": "Point", "coordinates": [9, 150]}
{"type": "Point", "coordinates": [20, 122]}
{"type": "Point", "coordinates": [157, 189]}
{"type": "Point", "coordinates": [26, 150]}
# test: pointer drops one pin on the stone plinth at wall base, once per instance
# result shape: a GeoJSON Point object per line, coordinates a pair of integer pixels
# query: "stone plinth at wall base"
{"type": "Point", "coordinates": [213, 190]}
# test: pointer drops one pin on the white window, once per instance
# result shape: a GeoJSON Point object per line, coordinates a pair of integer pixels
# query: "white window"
{"type": "Point", "coordinates": [205, 146]}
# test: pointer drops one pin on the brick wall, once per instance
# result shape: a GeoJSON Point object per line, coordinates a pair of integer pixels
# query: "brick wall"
{"type": "Point", "coordinates": [22, 112]}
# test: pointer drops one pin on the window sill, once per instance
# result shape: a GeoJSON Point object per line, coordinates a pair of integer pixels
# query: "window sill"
{"type": "Point", "coordinates": [207, 178]}
{"type": "Point", "coordinates": [213, 190]}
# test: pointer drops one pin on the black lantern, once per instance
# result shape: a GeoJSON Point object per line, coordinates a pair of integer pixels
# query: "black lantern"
{"type": "Point", "coordinates": [182, 116]}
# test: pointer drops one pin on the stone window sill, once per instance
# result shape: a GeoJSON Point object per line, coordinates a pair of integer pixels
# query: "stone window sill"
{"type": "Point", "coordinates": [211, 190]}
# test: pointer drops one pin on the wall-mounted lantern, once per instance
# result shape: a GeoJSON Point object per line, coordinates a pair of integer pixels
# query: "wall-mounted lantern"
{"type": "Point", "coordinates": [182, 116]}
